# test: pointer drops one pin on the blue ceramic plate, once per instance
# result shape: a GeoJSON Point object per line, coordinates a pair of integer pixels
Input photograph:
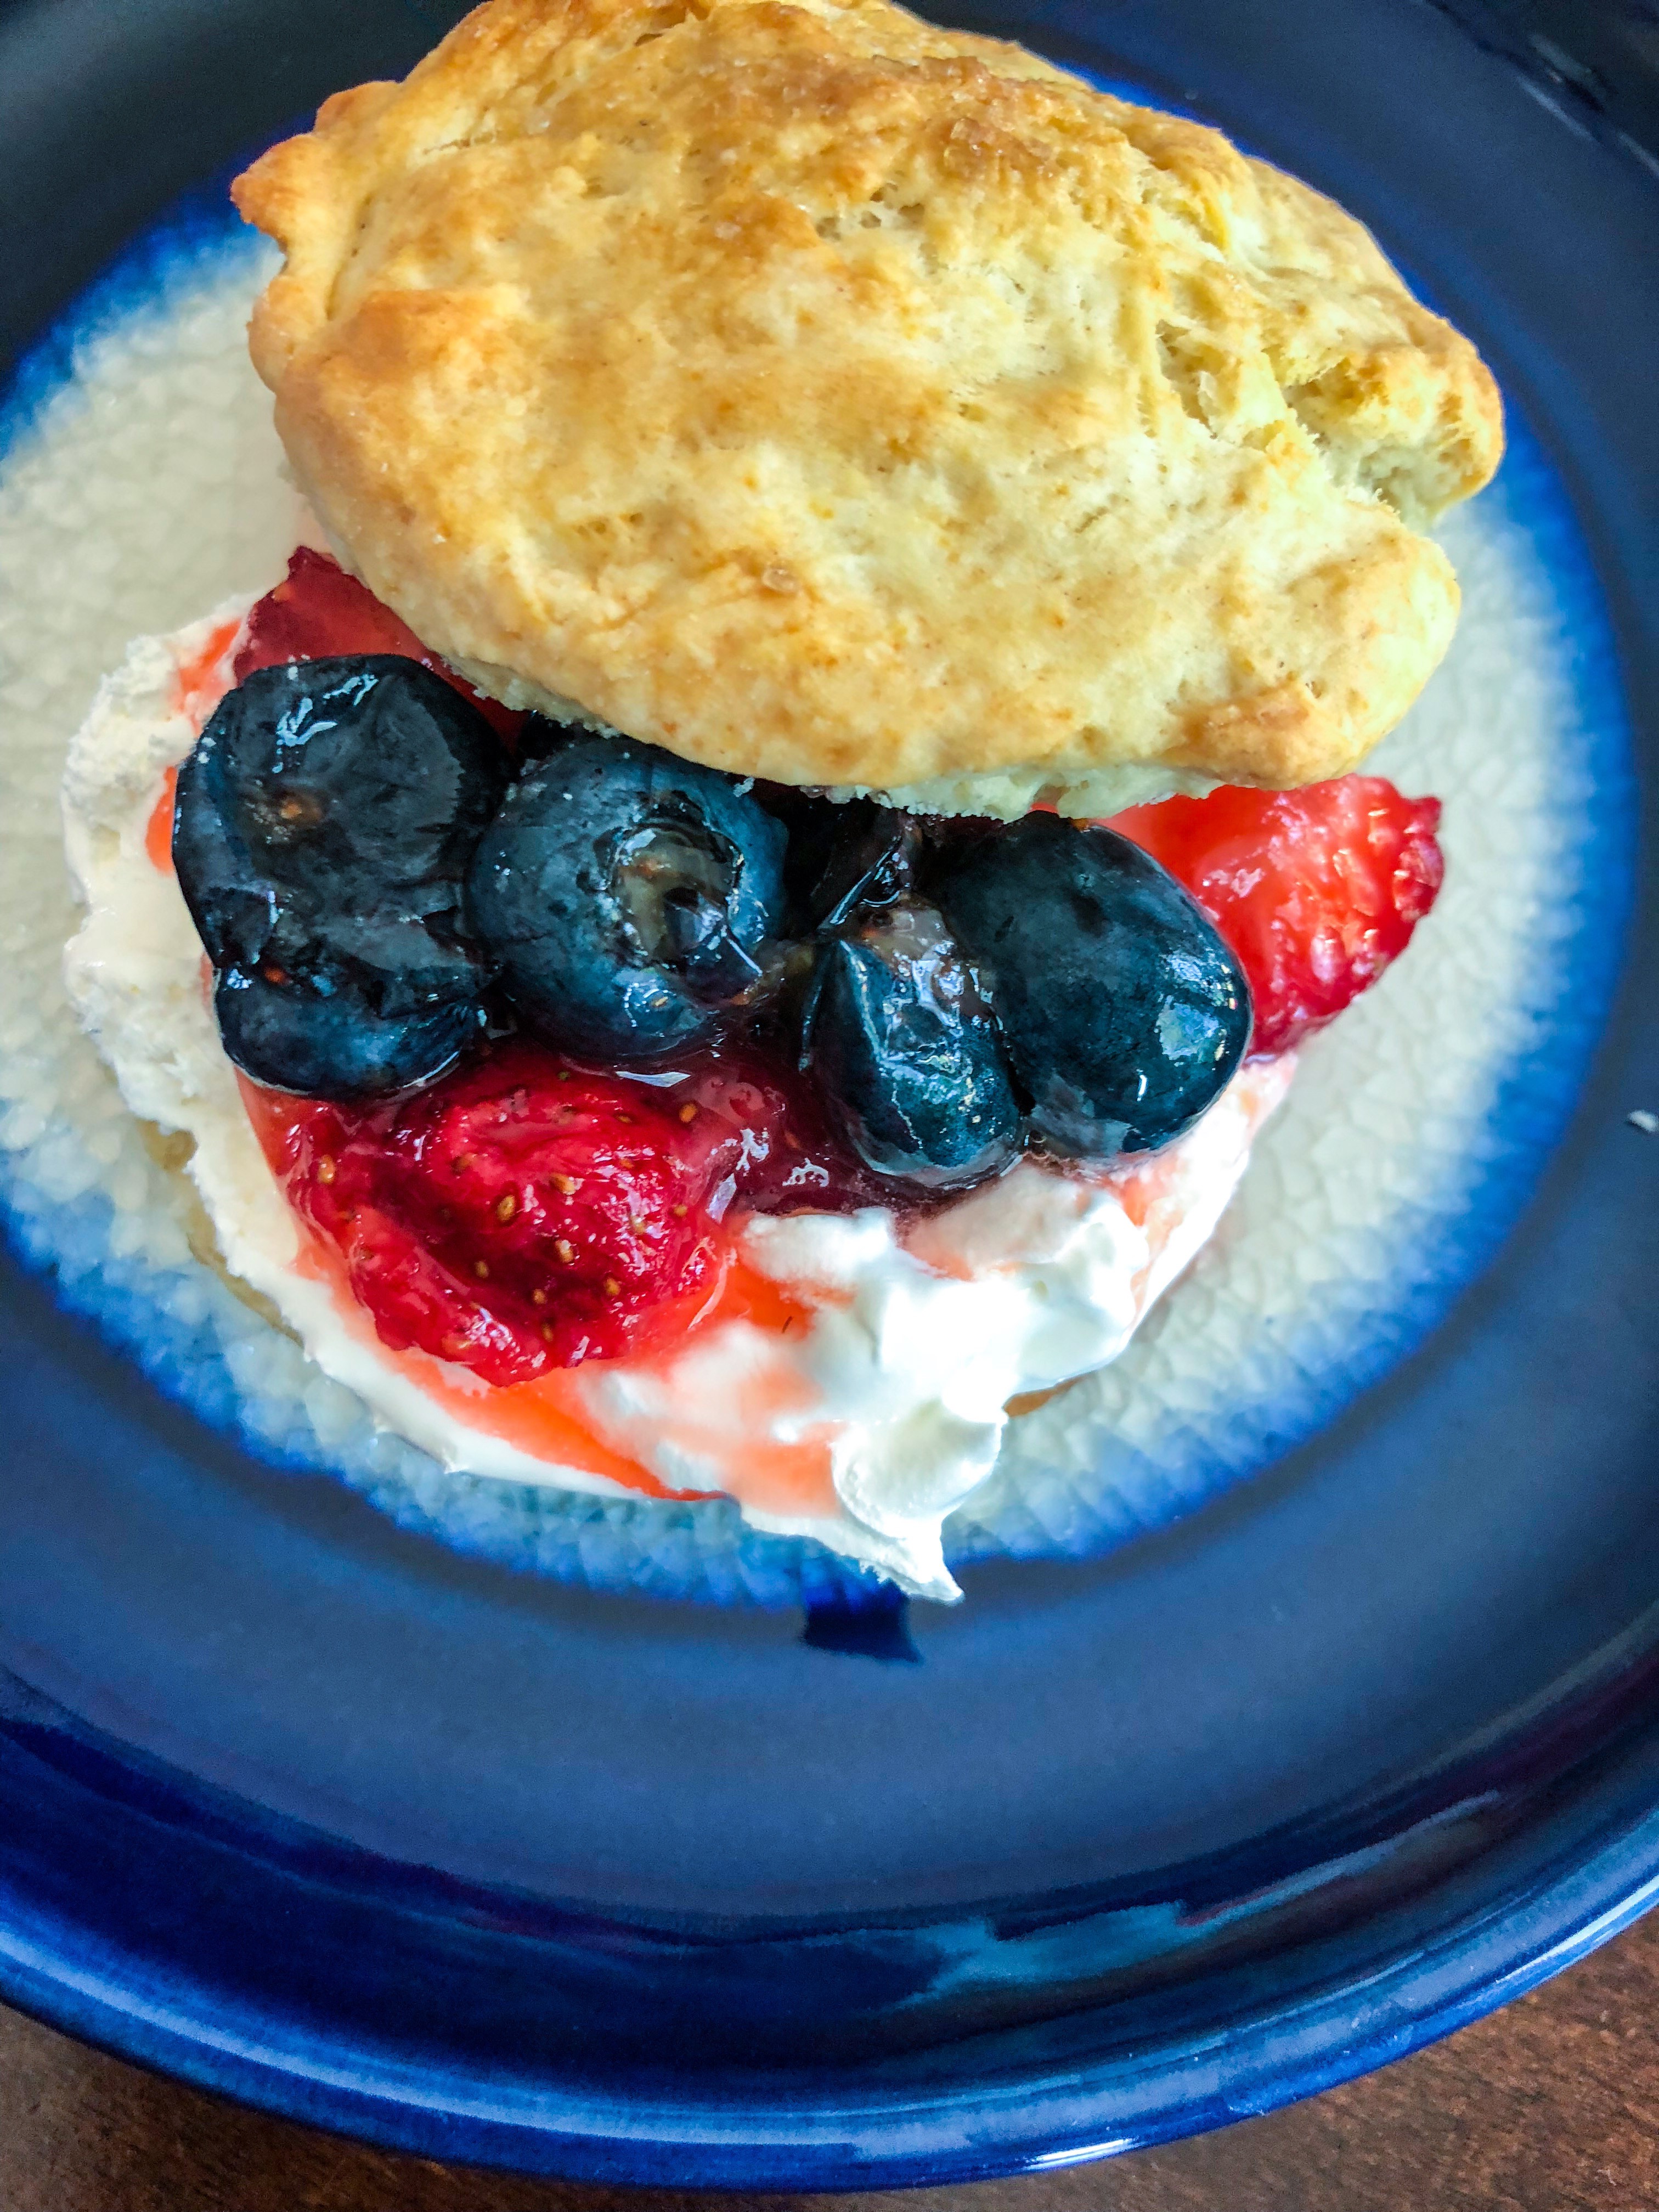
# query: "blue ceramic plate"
{"type": "Point", "coordinates": [316, 1810]}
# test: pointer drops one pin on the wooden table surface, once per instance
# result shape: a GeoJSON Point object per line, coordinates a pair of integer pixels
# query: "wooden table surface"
{"type": "Point", "coordinates": [1550, 2106]}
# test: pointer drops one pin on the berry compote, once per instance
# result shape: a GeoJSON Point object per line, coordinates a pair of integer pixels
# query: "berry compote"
{"type": "Point", "coordinates": [562, 1190]}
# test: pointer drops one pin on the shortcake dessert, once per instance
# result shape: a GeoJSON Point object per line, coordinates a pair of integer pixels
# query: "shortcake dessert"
{"type": "Point", "coordinates": [737, 925]}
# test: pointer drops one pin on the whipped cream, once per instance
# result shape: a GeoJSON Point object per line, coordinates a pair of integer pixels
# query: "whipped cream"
{"type": "Point", "coordinates": [863, 1426]}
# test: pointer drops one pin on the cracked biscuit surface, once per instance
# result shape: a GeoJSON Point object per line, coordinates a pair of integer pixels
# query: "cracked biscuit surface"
{"type": "Point", "coordinates": [833, 399]}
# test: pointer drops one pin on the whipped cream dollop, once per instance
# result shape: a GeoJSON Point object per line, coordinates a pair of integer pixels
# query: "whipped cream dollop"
{"type": "Point", "coordinates": [862, 1424]}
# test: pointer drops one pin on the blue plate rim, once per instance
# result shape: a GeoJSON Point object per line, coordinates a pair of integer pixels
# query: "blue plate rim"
{"type": "Point", "coordinates": [1421, 2002]}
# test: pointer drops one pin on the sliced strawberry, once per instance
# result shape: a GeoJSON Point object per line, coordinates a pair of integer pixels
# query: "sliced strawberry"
{"type": "Point", "coordinates": [517, 1217]}
{"type": "Point", "coordinates": [318, 610]}
{"type": "Point", "coordinates": [525, 1214]}
{"type": "Point", "coordinates": [1317, 891]}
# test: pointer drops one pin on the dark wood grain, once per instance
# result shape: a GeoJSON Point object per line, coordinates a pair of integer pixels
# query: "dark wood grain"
{"type": "Point", "coordinates": [1550, 2106]}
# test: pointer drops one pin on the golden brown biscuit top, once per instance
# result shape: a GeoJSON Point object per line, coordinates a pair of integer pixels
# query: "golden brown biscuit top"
{"type": "Point", "coordinates": [836, 399]}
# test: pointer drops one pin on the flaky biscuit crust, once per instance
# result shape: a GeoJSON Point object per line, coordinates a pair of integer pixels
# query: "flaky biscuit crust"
{"type": "Point", "coordinates": [833, 399]}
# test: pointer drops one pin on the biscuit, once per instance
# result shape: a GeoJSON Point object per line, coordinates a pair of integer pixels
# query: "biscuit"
{"type": "Point", "coordinates": [836, 399]}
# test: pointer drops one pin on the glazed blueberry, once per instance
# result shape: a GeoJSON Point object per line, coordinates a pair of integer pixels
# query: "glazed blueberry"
{"type": "Point", "coordinates": [908, 1058]}
{"type": "Point", "coordinates": [1122, 1010]}
{"type": "Point", "coordinates": [321, 834]}
{"type": "Point", "coordinates": [870, 863]}
{"type": "Point", "coordinates": [627, 897]}
{"type": "Point", "coordinates": [842, 854]}
{"type": "Point", "coordinates": [811, 824]}
{"type": "Point", "coordinates": [291, 1035]}
{"type": "Point", "coordinates": [358, 785]}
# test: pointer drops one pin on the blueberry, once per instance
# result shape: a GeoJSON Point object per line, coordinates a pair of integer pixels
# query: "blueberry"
{"type": "Point", "coordinates": [1123, 1011]}
{"type": "Point", "coordinates": [842, 854]}
{"type": "Point", "coordinates": [290, 1036]}
{"type": "Point", "coordinates": [908, 1058]}
{"type": "Point", "coordinates": [811, 823]}
{"type": "Point", "coordinates": [627, 897]}
{"type": "Point", "coordinates": [338, 781]}
{"type": "Point", "coordinates": [322, 830]}
{"type": "Point", "coordinates": [872, 862]}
